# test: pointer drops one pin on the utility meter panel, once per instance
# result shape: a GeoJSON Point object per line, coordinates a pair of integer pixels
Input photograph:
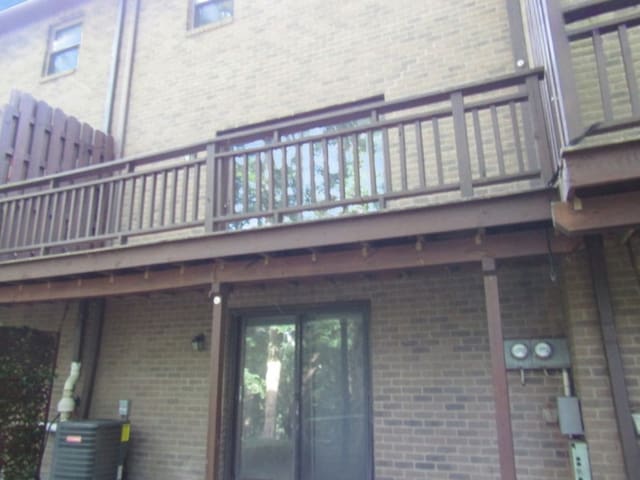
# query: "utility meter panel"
{"type": "Point", "coordinates": [536, 353]}
{"type": "Point", "coordinates": [579, 453]}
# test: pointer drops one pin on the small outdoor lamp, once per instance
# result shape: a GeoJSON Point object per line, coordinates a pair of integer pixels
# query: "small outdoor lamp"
{"type": "Point", "coordinates": [197, 343]}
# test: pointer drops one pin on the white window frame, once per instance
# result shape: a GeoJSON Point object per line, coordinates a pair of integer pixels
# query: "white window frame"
{"type": "Point", "coordinates": [52, 50]}
{"type": "Point", "coordinates": [193, 5]}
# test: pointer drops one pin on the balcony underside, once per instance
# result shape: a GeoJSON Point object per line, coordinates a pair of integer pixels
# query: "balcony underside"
{"type": "Point", "coordinates": [500, 227]}
{"type": "Point", "coordinates": [600, 170]}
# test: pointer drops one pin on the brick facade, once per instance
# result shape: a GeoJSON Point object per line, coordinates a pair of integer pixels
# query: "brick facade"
{"type": "Point", "coordinates": [432, 393]}
{"type": "Point", "coordinates": [432, 396]}
{"type": "Point", "coordinates": [188, 84]}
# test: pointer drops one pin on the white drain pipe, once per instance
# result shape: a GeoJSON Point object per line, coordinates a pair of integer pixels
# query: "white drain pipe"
{"type": "Point", "coordinates": [67, 404]}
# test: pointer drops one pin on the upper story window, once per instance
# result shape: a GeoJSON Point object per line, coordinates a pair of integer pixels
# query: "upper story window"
{"type": "Point", "coordinates": [205, 12]}
{"type": "Point", "coordinates": [64, 47]}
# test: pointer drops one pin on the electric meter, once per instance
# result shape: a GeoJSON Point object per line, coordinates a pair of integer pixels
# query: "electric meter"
{"type": "Point", "coordinates": [543, 350]}
{"type": "Point", "coordinates": [519, 351]}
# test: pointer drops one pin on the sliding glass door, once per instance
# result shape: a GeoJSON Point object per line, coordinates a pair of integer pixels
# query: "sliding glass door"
{"type": "Point", "coordinates": [303, 409]}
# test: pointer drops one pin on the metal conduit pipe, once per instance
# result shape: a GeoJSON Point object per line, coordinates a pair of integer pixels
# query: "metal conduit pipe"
{"type": "Point", "coordinates": [113, 70]}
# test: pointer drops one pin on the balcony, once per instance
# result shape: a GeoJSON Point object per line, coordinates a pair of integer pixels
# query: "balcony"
{"type": "Point", "coordinates": [477, 141]}
{"type": "Point", "coordinates": [591, 54]}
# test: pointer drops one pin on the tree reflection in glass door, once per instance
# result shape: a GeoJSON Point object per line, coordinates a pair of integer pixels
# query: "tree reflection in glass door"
{"type": "Point", "coordinates": [304, 409]}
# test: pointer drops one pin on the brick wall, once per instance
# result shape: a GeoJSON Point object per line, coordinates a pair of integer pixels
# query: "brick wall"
{"type": "Point", "coordinates": [274, 59]}
{"type": "Point", "coordinates": [590, 370]}
{"type": "Point", "coordinates": [432, 394]}
{"type": "Point", "coordinates": [281, 57]}
{"type": "Point", "coordinates": [81, 93]}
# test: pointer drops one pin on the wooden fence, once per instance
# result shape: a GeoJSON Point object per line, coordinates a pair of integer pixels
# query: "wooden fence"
{"type": "Point", "coordinates": [38, 140]}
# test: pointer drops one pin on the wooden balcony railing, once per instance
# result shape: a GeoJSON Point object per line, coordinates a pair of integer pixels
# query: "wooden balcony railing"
{"type": "Point", "coordinates": [459, 143]}
{"type": "Point", "coordinates": [591, 53]}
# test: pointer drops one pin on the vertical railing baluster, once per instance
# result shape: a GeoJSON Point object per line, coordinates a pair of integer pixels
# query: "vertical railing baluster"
{"type": "Point", "coordinates": [312, 174]}
{"type": "Point", "coordinates": [152, 199]}
{"type": "Point", "coordinates": [462, 144]}
{"type": "Point", "coordinates": [516, 136]}
{"type": "Point", "coordinates": [603, 77]}
{"type": "Point", "coordinates": [231, 187]}
{"type": "Point", "coordinates": [196, 191]}
{"type": "Point", "coordinates": [111, 199]}
{"type": "Point", "coordinates": [4, 209]}
{"type": "Point", "coordinates": [174, 196]}
{"type": "Point", "coordinates": [100, 219]}
{"type": "Point", "coordinates": [497, 138]}
{"type": "Point", "coordinates": [342, 178]}
{"type": "Point", "coordinates": [37, 218]}
{"type": "Point", "coordinates": [163, 196]}
{"type": "Point", "coordinates": [72, 214]}
{"type": "Point", "coordinates": [245, 183]}
{"type": "Point", "coordinates": [80, 216]}
{"type": "Point", "coordinates": [117, 227]}
{"type": "Point", "coordinates": [285, 179]}
{"type": "Point", "coordinates": [132, 204]}
{"type": "Point", "coordinates": [420, 158]}
{"type": "Point", "coordinates": [56, 217]}
{"type": "Point", "coordinates": [11, 224]}
{"type": "Point", "coordinates": [373, 181]}
{"type": "Point", "coordinates": [477, 133]}
{"type": "Point", "coordinates": [627, 61]}
{"type": "Point", "coordinates": [356, 166]}
{"type": "Point", "coordinates": [143, 201]}
{"type": "Point", "coordinates": [185, 193]}
{"type": "Point", "coordinates": [258, 181]}
{"type": "Point", "coordinates": [325, 160]}
{"type": "Point", "coordinates": [45, 221]}
{"type": "Point", "coordinates": [26, 223]}
{"type": "Point", "coordinates": [403, 157]}
{"type": "Point", "coordinates": [299, 187]}
{"type": "Point", "coordinates": [90, 210]}
{"type": "Point", "coordinates": [272, 181]}
{"type": "Point", "coordinates": [386, 152]}
{"type": "Point", "coordinates": [437, 145]}
{"type": "Point", "coordinates": [212, 189]}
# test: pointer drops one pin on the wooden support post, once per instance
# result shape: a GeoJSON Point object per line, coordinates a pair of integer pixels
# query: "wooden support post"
{"type": "Point", "coordinates": [218, 327]}
{"type": "Point", "coordinates": [462, 144]}
{"type": "Point", "coordinates": [211, 207]}
{"type": "Point", "coordinates": [499, 372]}
{"type": "Point", "coordinates": [630, 449]}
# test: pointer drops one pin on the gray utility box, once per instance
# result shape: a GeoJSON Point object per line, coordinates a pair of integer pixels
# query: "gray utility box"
{"type": "Point", "coordinates": [89, 450]}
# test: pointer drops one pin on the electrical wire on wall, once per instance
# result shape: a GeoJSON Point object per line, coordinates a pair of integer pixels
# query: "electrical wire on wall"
{"type": "Point", "coordinates": [633, 259]}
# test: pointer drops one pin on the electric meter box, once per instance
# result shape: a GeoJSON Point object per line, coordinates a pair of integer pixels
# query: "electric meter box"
{"type": "Point", "coordinates": [90, 450]}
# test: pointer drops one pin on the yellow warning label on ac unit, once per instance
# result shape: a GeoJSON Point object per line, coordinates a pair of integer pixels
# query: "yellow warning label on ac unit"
{"type": "Point", "coordinates": [126, 431]}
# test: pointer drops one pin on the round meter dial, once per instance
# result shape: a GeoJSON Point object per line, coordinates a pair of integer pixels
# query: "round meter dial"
{"type": "Point", "coordinates": [543, 350]}
{"type": "Point", "coordinates": [519, 351]}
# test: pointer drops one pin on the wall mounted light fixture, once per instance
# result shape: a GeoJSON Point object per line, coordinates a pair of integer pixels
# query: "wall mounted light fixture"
{"type": "Point", "coordinates": [197, 343]}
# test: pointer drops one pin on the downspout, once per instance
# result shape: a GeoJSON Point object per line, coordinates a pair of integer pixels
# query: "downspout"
{"type": "Point", "coordinates": [67, 403]}
{"type": "Point", "coordinates": [124, 104]}
{"type": "Point", "coordinates": [93, 343]}
{"type": "Point", "coordinates": [113, 71]}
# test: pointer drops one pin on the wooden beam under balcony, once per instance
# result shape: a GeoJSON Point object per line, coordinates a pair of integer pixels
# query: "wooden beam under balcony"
{"type": "Point", "coordinates": [597, 213]}
{"type": "Point", "coordinates": [599, 167]}
{"type": "Point", "coordinates": [317, 263]}
{"type": "Point", "coordinates": [509, 210]}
